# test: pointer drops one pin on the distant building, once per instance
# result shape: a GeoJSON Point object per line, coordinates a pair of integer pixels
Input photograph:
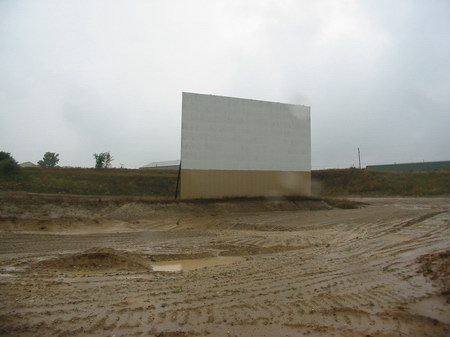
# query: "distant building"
{"type": "Point", "coordinates": [27, 164]}
{"type": "Point", "coordinates": [162, 165]}
{"type": "Point", "coordinates": [411, 167]}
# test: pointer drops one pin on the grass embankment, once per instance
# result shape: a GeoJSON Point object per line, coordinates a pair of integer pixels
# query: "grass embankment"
{"type": "Point", "coordinates": [92, 182]}
{"type": "Point", "coordinates": [161, 184]}
{"type": "Point", "coordinates": [344, 182]}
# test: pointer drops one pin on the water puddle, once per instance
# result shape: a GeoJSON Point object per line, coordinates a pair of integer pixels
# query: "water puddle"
{"type": "Point", "coordinates": [11, 269]}
{"type": "Point", "coordinates": [435, 307]}
{"type": "Point", "coordinates": [186, 265]}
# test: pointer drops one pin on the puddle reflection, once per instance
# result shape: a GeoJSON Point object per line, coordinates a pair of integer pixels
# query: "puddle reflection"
{"type": "Point", "coordinates": [167, 267]}
{"type": "Point", "coordinates": [186, 265]}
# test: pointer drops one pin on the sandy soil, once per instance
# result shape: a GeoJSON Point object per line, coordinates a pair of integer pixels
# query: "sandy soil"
{"type": "Point", "coordinates": [84, 268]}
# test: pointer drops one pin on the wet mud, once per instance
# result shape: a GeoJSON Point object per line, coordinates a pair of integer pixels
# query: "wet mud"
{"type": "Point", "coordinates": [227, 270]}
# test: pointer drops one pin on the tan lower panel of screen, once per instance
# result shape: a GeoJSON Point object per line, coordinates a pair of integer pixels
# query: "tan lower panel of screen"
{"type": "Point", "coordinates": [204, 184]}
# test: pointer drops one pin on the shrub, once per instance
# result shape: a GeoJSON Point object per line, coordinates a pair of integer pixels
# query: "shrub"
{"type": "Point", "coordinates": [50, 159]}
{"type": "Point", "coordinates": [103, 160]}
{"type": "Point", "coordinates": [8, 165]}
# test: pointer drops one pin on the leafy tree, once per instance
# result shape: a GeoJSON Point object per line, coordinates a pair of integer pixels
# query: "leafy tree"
{"type": "Point", "coordinates": [103, 160]}
{"type": "Point", "coordinates": [50, 159]}
{"type": "Point", "coordinates": [8, 165]}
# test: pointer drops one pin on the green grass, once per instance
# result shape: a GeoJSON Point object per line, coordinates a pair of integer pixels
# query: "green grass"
{"type": "Point", "coordinates": [161, 184]}
{"type": "Point", "coordinates": [344, 182]}
{"type": "Point", "coordinates": [92, 182]}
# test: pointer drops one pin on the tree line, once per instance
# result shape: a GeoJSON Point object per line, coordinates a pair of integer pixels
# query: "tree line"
{"type": "Point", "coordinates": [8, 165]}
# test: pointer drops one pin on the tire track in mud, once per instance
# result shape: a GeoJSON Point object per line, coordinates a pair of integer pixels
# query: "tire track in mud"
{"type": "Point", "coordinates": [353, 281]}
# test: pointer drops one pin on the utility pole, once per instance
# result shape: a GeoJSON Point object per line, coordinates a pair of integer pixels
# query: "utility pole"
{"type": "Point", "coordinates": [359, 158]}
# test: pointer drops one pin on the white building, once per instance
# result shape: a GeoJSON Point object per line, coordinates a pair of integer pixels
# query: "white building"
{"type": "Point", "coordinates": [162, 165]}
{"type": "Point", "coordinates": [232, 147]}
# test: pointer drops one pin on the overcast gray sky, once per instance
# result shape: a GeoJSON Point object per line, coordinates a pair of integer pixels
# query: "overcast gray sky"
{"type": "Point", "coordinates": [79, 77]}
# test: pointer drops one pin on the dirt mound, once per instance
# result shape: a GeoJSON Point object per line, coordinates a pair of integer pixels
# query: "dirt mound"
{"type": "Point", "coordinates": [437, 267]}
{"type": "Point", "coordinates": [98, 259]}
{"type": "Point", "coordinates": [344, 203]}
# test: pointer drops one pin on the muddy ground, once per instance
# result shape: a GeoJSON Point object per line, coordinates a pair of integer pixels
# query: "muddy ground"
{"type": "Point", "coordinates": [92, 267]}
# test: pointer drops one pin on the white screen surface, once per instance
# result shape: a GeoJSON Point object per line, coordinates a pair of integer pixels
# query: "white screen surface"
{"type": "Point", "coordinates": [224, 133]}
